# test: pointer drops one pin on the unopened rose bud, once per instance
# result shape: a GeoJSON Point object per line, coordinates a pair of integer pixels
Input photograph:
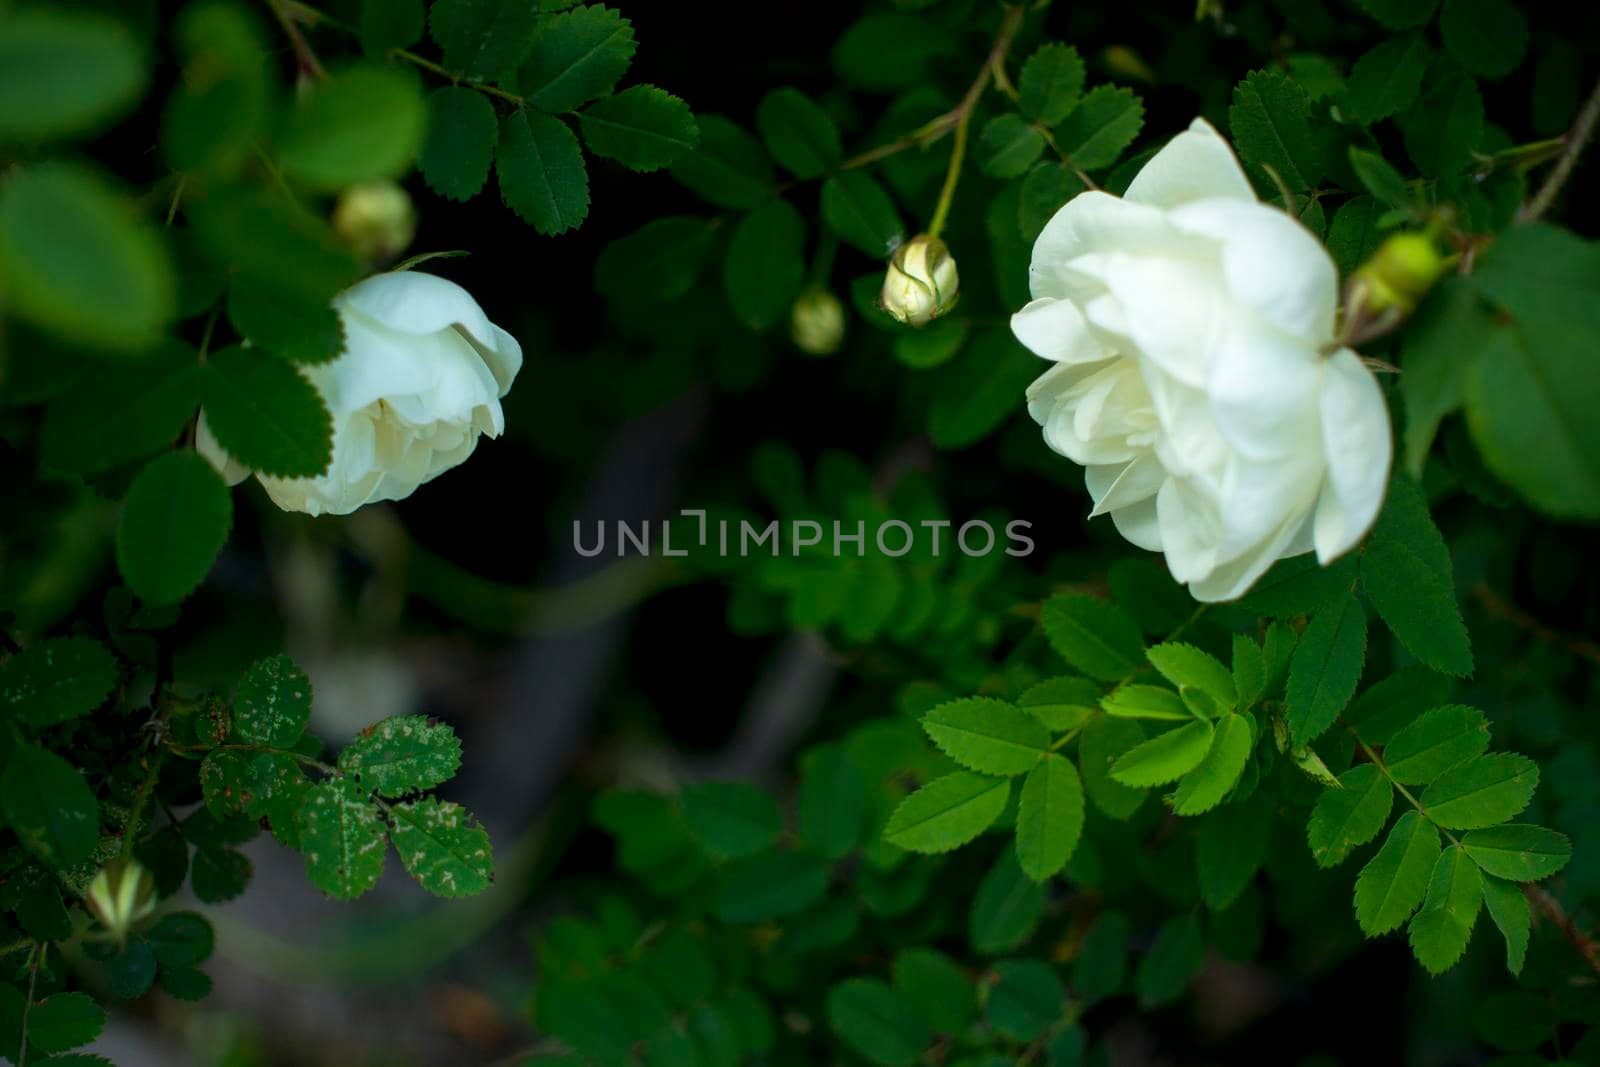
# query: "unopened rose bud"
{"type": "Point", "coordinates": [816, 323]}
{"type": "Point", "coordinates": [1400, 274]}
{"type": "Point", "coordinates": [376, 221]}
{"type": "Point", "coordinates": [921, 283]}
{"type": "Point", "coordinates": [122, 894]}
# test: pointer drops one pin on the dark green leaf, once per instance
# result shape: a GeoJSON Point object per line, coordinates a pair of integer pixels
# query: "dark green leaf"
{"type": "Point", "coordinates": [1407, 574]}
{"type": "Point", "coordinates": [273, 703]}
{"type": "Point", "coordinates": [1400, 14]}
{"type": "Point", "coordinates": [1379, 178]}
{"type": "Point", "coordinates": [1350, 816]}
{"type": "Point", "coordinates": [1271, 123]}
{"type": "Point", "coordinates": [1175, 957]}
{"type": "Point", "coordinates": [798, 133]}
{"type": "Point", "coordinates": [656, 263]}
{"type": "Point", "coordinates": [390, 24]}
{"type": "Point", "coordinates": [1445, 126]}
{"type": "Point", "coordinates": [1327, 665]}
{"type": "Point", "coordinates": [64, 1021]}
{"type": "Point", "coordinates": [1434, 743]}
{"type": "Point", "coordinates": [859, 211]}
{"type": "Point", "coordinates": [936, 988]}
{"type": "Point", "coordinates": [360, 124]}
{"type": "Point", "coordinates": [1095, 636]}
{"type": "Point", "coordinates": [342, 836]}
{"type": "Point", "coordinates": [441, 846]}
{"type": "Point", "coordinates": [460, 143]}
{"type": "Point", "coordinates": [1025, 999]}
{"type": "Point", "coordinates": [172, 526]}
{"type": "Point", "coordinates": [575, 57]}
{"type": "Point", "coordinates": [643, 128]}
{"type": "Point", "coordinates": [728, 168]}
{"type": "Point", "coordinates": [1387, 79]}
{"type": "Point", "coordinates": [1509, 909]}
{"type": "Point", "coordinates": [1395, 880]}
{"type": "Point", "coordinates": [1049, 817]}
{"type": "Point", "coordinates": [266, 415]}
{"type": "Point", "coordinates": [1354, 235]}
{"type": "Point", "coordinates": [56, 680]}
{"type": "Point", "coordinates": [483, 40]}
{"type": "Point", "coordinates": [772, 885]}
{"type": "Point", "coordinates": [49, 805]}
{"type": "Point", "coordinates": [403, 754]}
{"type": "Point", "coordinates": [1103, 742]}
{"type": "Point", "coordinates": [542, 176]}
{"type": "Point", "coordinates": [876, 1022]}
{"type": "Point", "coordinates": [1439, 932]}
{"type": "Point", "coordinates": [1488, 37]}
{"type": "Point", "coordinates": [765, 265]}
{"type": "Point", "coordinates": [1051, 82]}
{"type": "Point", "coordinates": [832, 806]}
{"type": "Point", "coordinates": [732, 819]}
{"type": "Point", "coordinates": [1104, 122]}
{"type": "Point", "coordinates": [1008, 146]}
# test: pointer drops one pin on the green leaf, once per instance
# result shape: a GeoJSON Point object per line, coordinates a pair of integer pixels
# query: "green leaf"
{"type": "Point", "coordinates": [66, 72]}
{"type": "Point", "coordinates": [1204, 787]}
{"type": "Point", "coordinates": [341, 834]}
{"type": "Point", "coordinates": [460, 143]}
{"type": "Point", "coordinates": [1186, 666]}
{"type": "Point", "coordinates": [728, 168]}
{"type": "Point", "coordinates": [1444, 128]}
{"type": "Point", "coordinates": [1508, 907]}
{"type": "Point", "coordinates": [1437, 741]}
{"type": "Point", "coordinates": [1451, 331]}
{"type": "Point", "coordinates": [1062, 704]}
{"type": "Point", "coordinates": [1380, 179]}
{"type": "Point", "coordinates": [1348, 817]}
{"type": "Point", "coordinates": [1439, 932]}
{"type": "Point", "coordinates": [859, 211]}
{"type": "Point", "coordinates": [217, 115]}
{"type": "Point", "coordinates": [1049, 817]}
{"type": "Point", "coordinates": [76, 260]}
{"type": "Point", "coordinates": [441, 846]}
{"type": "Point", "coordinates": [832, 806]}
{"type": "Point", "coordinates": [986, 735]}
{"type": "Point", "coordinates": [1146, 702]}
{"type": "Point", "coordinates": [1175, 957]}
{"type": "Point", "coordinates": [947, 812]}
{"type": "Point", "coordinates": [732, 819]}
{"type": "Point", "coordinates": [1271, 122]}
{"type": "Point", "coordinates": [1045, 191]}
{"type": "Point", "coordinates": [402, 754]}
{"type": "Point", "coordinates": [279, 320]}
{"type": "Point", "coordinates": [273, 703]}
{"type": "Point", "coordinates": [887, 50]}
{"type": "Point", "coordinates": [266, 415]}
{"type": "Point", "coordinates": [1249, 670]}
{"type": "Point", "coordinates": [656, 263]}
{"type": "Point", "coordinates": [771, 885]}
{"type": "Point", "coordinates": [798, 133]}
{"type": "Point", "coordinates": [876, 1022]}
{"type": "Point", "coordinates": [1481, 792]}
{"type": "Point", "coordinates": [1025, 999]}
{"type": "Point", "coordinates": [1051, 83]}
{"type": "Point", "coordinates": [1385, 708]}
{"type": "Point", "coordinates": [1104, 122]}
{"type": "Point", "coordinates": [643, 128]}
{"type": "Point", "coordinates": [1400, 14]}
{"type": "Point", "coordinates": [1102, 960]}
{"type": "Point", "coordinates": [483, 40]}
{"type": "Point", "coordinates": [219, 874]}
{"type": "Point", "coordinates": [1326, 667]}
{"type": "Point", "coordinates": [55, 681]}
{"type": "Point", "coordinates": [1353, 236]}
{"type": "Point", "coordinates": [172, 526]}
{"type": "Point", "coordinates": [936, 988]}
{"type": "Point", "coordinates": [1395, 880]}
{"type": "Point", "coordinates": [765, 266]}
{"type": "Point", "coordinates": [1518, 852]}
{"type": "Point", "coordinates": [932, 345]}
{"type": "Point", "coordinates": [542, 176]}
{"type": "Point", "coordinates": [1385, 81]}
{"type": "Point", "coordinates": [49, 805]}
{"type": "Point", "coordinates": [121, 413]}
{"type": "Point", "coordinates": [182, 939]}
{"type": "Point", "coordinates": [575, 57]}
{"type": "Point", "coordinates": [1406, 573]}
{"type": "Point", "coordinates": [1488, 37]}
{"type": "Point", "coordinates": [358, 125]}
{"type": "Point", "coordinates": [65, 1021]}
{"type": "Point", "coordinates": [976, 393]}
{"type": "Point", "coordinates": [184, 983]}
{"type": "Point", "coordinates": [1300, 585]}
{"type": "Point", "coordinates": [1102, 743]}
{"type": "Point", "coordinates": [387, 25]}
{"type": "Point", "coordinates": [266, 236]}
{"type": "Point", "coordinates": [1095, 636]}
{"type": "Point", "coordinates": [1008, 146]}
{"type": "Point", "coordinates": [1165, 757]}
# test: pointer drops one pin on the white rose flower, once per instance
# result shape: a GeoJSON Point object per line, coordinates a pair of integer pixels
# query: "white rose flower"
{"type": "Point", "coordinates": [419, 380]}
{"type": "Point", "coordinates": [1187, 322]}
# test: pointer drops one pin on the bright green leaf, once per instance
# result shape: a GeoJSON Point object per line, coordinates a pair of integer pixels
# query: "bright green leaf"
{"type": "Point", "coordinates": [1326, 667]}
{"type": "Point", "coordinates": [986, 735]}
{"type": "Point", "coordinates": [1481, 792]}
{"type": "Point", "coordinates": [1165, 757]}
{"type": "Point", "coordinates": [1440, 739]}
{"type": "Point", "coordinates": [947, 812]}
{"type": "Point", "coordinates": [65, 72]}
{"type": "Point", "coordinates": [1518, 852]}
{"type": "Point", "coordinates": [1049, 817]}
{"type": "Point", "coordinates": [1203, 788]}
{"type": "Point", "coordinates": [575, 57]}
{"type": "Point", "coordinates": [358, 125]}
{"type": "Point", "coordinates": [1350, 816]}
{"type": "Point", "coordinates": [1395, 880]}
{"type": "Point", "coordinates": [1439, 932]}
{"type": "Point", "coordinates": [1095, 636]}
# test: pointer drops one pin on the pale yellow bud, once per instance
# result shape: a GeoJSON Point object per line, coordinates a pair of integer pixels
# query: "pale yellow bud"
{"type": "Point", "coordinates": [376, 220]}
{"type": "Point", "coordinates": [816, 323]}
{"type": "Point", "coordinates": [921, 283]}
{"type": "Point", "coordinates": [122, 894]}
{"type": "Point", "coordinates": [1400, 274]}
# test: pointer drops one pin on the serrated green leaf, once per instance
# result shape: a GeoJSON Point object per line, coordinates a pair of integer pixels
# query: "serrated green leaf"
{"type": "Point", "coordinates": [273, 703]}
{"type": "Point", "coordinates": [1051, 83]}
{"type": "Point", "coordinates": [460, 142]}
{"type": "Point", "coordinates": [1271, 122]}
{"type": "Point", "coordinates": [947, 812]}
{"type": "Point", "coordinates": [1104, 122]}
{"type": "Point", "coordinates": [266, 415]}
{"type": "Point", "coordinates": [1481, 792]}
{"type": "Point", "coordinates": [936, 988]}
{"type": "Point", "coordinates": [1299, 585]}
{"type": "Point", "coordinates": [986, 735]}
{"type": "Point", "coordinates": [728, 168]}
{"type": "Point", "coordinates": [264, 235]}
{"type": "Point", "coordinates": [182, 939]}
{"type": "Point", "coordinates": [219, 874]}
{"type": "Point", "coordinates": [1249, 670]}
{"type": "Point", "coordinates": [860, 212]}
{"type": "Point", "coordinates": [276, 318]}
{"type": "Point", "coordinates": [832, 806]}
{"type": "Point", "coordinates": [1025, 999]}
{"type": "Point", "coordinates": [1230, 847]}
{"type": "Point", "coordinates": [1145, 702]}
{"type": "Point", "coordinates": [771, 885]}
{"type": "Point", "coordinates": [1049, 817]}
{"type": "Point", "coordinates": [1407, 574]}
{"type": "Point", "coordinates": [441, 846]}
{"type": "Point", "coordinates": [876, 1022]}
{"type": "Point", "coordinates": [64, 1021]}
{"type": "Point", "coordinates": [1175, 957]}
{"type": "Point", "coordinates": [47, 802]}
{"type": "Point", "coordinates": [643, 128]}
{"type": "Point", "coordinates": [1203, 788]}
{"type": "Point", "coordinates": [1488, 37]}
{"type": "Point", "coordinates": [1045, 191]}
{"type": "Point", "coordinates": [1518, 852]}
{"type": "Point", "coordinates": [765, 266]}
{"type": "Point", "coordinates": [55, 681]}
{"type": "Point", "coordinates": [342, 836]}
{"type": "Point", "coordinates": [360, 124]}
{"type": "Point", "coordinates": [1385, 81]}
{"type": "Point", "coordinates": [65, 72]}
{"type": "Point", "coordinates": [403, 754]}
{"type": "Point", "coordinates": [1350, 816]}
{"type": "Point", "coordinates": [1434, 743]}
{"type": "Point", "coordinates": [575, 57]}
{"type": "Point", "coordinates": [1440, 931]}
{"type": "Point", "coordinates": [121, 413]}
{"type": "Point", "coordinates": [483, 40]}
{"type": "Point", "coordinates": [1508, 907]}
{"type": "Point", "coordinates": [1185, 665]}
{"type": "Point", "coordinates": [1103, 742]}
{"type": "Point", "coordinates": [541, 172]}
{"type": "Point", "coordinates": [173, 524]}
{"type": "Point", "coordinates": [732, 819]}
{"type": "Point", "coordinates": [1395, 702]}
{"type": "Point", "coordinates": [1451, 331]}
{"type": "Point", "coordinates": [1326, 667]}
{"type": "Point", "coordinates": [1095, 636]}
{"type": "Point", "coordinates": [1165, 757]}
{"type": "Point", "coordinates": [798, 133]}
{"type": "Point", "coordinates": [1008, 146]}
{"type": "Point", "coordinates": [1378, 176]}
{"type": "Point", "coordinates": [1062, 704]}
{"type": "Point", "coordinates": [1444, 128]}
{"type": "Point", "coordinates": [1395, 880]}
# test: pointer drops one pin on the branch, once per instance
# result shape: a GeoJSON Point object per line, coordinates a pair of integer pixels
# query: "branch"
{"type": "Point", "coordinates": [1544, 901]}
{"type": "Point", "coordinates": [1576, 139]}
{"type": "Point", "coordinates": [1501, 608]}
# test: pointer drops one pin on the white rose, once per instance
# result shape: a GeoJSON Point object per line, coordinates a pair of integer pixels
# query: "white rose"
{"type": "Point", "coordinates": [1188, 322]}
{"type": "Point", "coordinates": [419, 380]}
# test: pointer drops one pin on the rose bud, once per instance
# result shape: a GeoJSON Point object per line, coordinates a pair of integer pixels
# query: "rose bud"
{"type": "Point", "coordinates": [376, 221]}
{"type": "Point", "coordinates": [816, 322]}
{"type": "Point", "coordinates": [921, 283]}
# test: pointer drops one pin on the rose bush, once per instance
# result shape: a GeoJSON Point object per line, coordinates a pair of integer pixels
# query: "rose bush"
{"type": "Point", "coordinates": [1196, 373]}
{"type": "Point", "coordinates": [419, 381]}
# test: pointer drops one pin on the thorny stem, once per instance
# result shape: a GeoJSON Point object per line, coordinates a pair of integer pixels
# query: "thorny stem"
{"type": "Point", "coordinates": [1576, 139]}
{"type": "Point", "coordinates": [1009, 24]}
{"type": "Point", "coordinates": [130, 830]}
{"type": "Point", "coordinates": [304, 56]}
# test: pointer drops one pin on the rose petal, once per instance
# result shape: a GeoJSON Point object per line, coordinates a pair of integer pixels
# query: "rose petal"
{"type": "Point", "coordinates": [1116, 486]}
{"type": "Point", "coordinates": [1263, 392]}
{"type": "Point", "coordinates": [1094, 222]}
{"type": "Point", "coordinates": [1055, 330]}
{"type": "Point", "coordinates": [1231, 580]}
{"type": "Point", "coordinates": [1359, 447]}
{"type": "Point", "coordinates": [1140, 524]}
{"type": "Point", "coordinates": [413, 302]}
{"type": "Point", "coordinates": [1190, 530]}
{"type": "Point", "coordinates": [1195, 165]}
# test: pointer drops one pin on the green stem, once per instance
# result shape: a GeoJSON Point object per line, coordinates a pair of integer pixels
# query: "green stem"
{"type": "Point", "coordinates": [1576, 140]}
{"type": "Point", "coordinates": [1009, 24]}
{"type": "Point", "coordinates": [130, 830]}
{"type": "Point", "coordinates": [27, 1005]}
{"type": "Point", "coordinates": [445, 72]}
{"type": "Point", "coordinates": [1383, 769]}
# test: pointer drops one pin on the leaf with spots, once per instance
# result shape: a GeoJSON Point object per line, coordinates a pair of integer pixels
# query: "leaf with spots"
{"type": "Point", "coordinates": [56, 680]}
{"type": "Point", "coordinates": [442, 846]}
{"type": "Point", "coordinates": [341, 834]}
{"type": "Point", "coordinates": [273, 703]}
{"type": "Point", "coordinates": [403, 754]}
